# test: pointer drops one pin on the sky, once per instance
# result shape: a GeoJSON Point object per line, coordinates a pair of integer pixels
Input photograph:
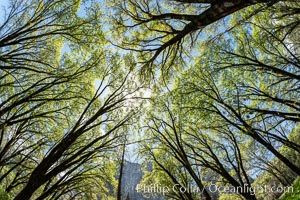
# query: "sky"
{"type": "Point", "coordinates": [4, 2]}
{"type": "Point", "coordinates": [3, 5]}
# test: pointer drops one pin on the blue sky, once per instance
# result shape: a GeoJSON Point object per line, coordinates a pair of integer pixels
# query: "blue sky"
{"type": "Point", "coordinates": [4, 2]}
{"type": "Point", "coordinates": [3, 5]}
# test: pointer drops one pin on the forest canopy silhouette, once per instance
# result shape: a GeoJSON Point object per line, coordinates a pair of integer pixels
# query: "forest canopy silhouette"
{"type": "Point", "coordinates": [197, 93]}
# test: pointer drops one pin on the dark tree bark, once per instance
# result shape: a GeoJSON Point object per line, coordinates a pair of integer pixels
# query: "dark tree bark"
{"type": "Point", "coordinates": [119, 189]}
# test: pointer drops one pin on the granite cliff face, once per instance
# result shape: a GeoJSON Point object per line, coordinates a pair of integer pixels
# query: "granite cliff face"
{"type": "Point", "coordinates": [132, 175]}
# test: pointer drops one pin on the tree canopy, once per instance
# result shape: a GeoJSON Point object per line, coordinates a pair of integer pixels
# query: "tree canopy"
{"type": "Point", "coordinates": [163, 31]}
{"type": "Point", "coordinates": [74, 105]}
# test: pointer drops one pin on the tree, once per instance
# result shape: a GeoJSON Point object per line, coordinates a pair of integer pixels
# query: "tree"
{"type": "Point", "coordinates": [196, 147]}
{"type": "Point", "coordinates": [234, 112]}
{"type": "Point", "coordinates": [127, 198]}
{"type": "Point", "coordinates": [29, 26]}
{"type": "Point", "coordinates": [82, 142]}
{"type": "Point", "coordinates": [57, 131]}
{"type": "Point", "coordinates": [161, 30]}
{"type": "Point", "coordinates": [122, 162]}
